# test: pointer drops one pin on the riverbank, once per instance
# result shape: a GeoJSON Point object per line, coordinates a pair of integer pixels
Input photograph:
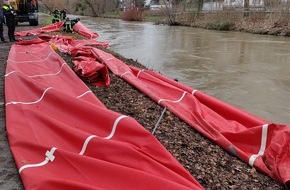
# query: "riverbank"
{"type": "Point", "coordinates": [213, 167]}
{"type": "Point", "coordinates": [275, 23]}
{"type": "Point", "coordinates": [256, 23]}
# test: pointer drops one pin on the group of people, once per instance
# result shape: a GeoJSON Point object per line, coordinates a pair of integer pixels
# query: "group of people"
{"type": "Point", "coordinates": [58, 15]}
{"type": "Point", "coordinates": [61, 16]}
{"type": "Point", "coordinates": [7, 16]}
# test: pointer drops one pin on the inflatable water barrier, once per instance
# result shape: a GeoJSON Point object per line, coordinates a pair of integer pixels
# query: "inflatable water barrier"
{"type": "Point", "coordinates": [258, 142]}
{"type": "Point", "coordinates": [63, 137]}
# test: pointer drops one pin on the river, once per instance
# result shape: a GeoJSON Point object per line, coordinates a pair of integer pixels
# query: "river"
{"type": "Point", "coordinates": [251, 72]}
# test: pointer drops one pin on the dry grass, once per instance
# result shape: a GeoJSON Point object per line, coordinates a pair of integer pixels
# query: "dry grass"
{"type": "Point", "coordinates": [275, 22]}
{"type": "Point", "coordinates": [133, 14]}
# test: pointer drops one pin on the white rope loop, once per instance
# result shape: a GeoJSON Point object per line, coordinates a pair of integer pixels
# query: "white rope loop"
{"type": "Point", "coordinates": [50, 157]}
{"type": "Point", "coordinates": [84, 94]}
{"type": "Point", "coordinates": [41, 60]}
{"type": "Point", "coordinates": [127, 72]}
{"type": "Point", "coordinates": [28, 103]}
{"type": "Point", "coordinates": [193, 92]}
{"type": "Point", "coordinates": [176, 101]}
{"type": "Point", "coordinates": [39, 75]}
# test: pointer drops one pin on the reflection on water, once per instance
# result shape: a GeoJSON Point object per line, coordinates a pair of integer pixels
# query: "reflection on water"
{"type": "Point", "coordinates": [249, 71]}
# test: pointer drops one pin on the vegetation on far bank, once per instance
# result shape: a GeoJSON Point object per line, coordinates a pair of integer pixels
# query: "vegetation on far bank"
{"type": "Point", "coordinates": [273, 19]}
{"type": "Point", "coordinates": [258, 22]}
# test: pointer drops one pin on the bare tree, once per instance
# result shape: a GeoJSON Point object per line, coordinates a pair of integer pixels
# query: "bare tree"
{"type": "Point", "coordinates": [96, 7]}
{"type": "Point", "coordinates": [176, 9]}
{"type": "Point", "coordinates": [79, 7]}
{"type": "Point", "coordinates": [199, 5]}
{"type": "Point", "coordinates": [92, 4]}
{"type": "Point", "coordinates": [246, 7]}
{"type": "Point", "coordinates": [170, 11]}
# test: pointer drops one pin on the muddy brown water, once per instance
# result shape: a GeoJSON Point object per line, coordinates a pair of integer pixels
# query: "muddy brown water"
{"type": "Point", "coordinates": [251, 72]}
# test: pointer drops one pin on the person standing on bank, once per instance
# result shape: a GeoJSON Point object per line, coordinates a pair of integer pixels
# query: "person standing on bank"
{"type": "Point", "coordinates": [8, 11]}
{"type": "Point", "coordinates": [1, 26]}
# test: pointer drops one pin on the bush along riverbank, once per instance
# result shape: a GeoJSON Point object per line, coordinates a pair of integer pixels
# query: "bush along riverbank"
{"type": "Point", "coordinates": [256, 22]}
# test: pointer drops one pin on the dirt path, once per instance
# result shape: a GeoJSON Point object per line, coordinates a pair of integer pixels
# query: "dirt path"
{"type": "Point", "coordinates": [9, 177]}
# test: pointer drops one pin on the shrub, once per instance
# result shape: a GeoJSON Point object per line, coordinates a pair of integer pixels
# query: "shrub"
{"type": "Point", "coordinates": [133, 14]}
{"type": "Point", "coordinates": [219, 25]}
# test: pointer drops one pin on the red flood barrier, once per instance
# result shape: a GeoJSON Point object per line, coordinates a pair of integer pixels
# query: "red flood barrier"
{"type": "Point", "coordinates": [91, 71]}
{"type": "Point", "coordinates": [49, 28]}
{"type": "Point", "coordinates": [63, 137]}
{"type": "Point", "coordinates": [84, 31]}
{"type": "Point", "coordinates": [256, 141]}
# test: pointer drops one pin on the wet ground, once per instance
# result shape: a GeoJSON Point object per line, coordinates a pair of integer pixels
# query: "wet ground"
{"type": "Point", "coordinates": [9, 177]}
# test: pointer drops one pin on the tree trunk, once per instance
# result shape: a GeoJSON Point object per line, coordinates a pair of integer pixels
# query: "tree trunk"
{"type": "Point", "coordinates": [200, 5]}
{"type": "Point", "coordinates": [246, 8]}
{"type": "Point", "coordinates": [90, 4]}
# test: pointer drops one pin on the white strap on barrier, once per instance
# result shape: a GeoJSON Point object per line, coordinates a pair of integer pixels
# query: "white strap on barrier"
{"type": "Point", "coordinates": [42, 75]}
{"type": "Point", "coordinates": [194, 91]}
{"type": "Point", "coordinates": [140, 72]}
{"type": "Point", "coordinates": [26, 103]}
{"type": "Point", "coordinates": [109, 59]}
{"type": "Point", "coordinates": [49, 158]}
{"type": "Point", "coordinates": [112, 133]}
{"type": "Point", "coordinates": [262, 147]}
{"type": "Point", "coordinates": [28, 51]}
{"type": "Point", "coordinates": [86, 144]}
{"type": "Point", "coordinates": [127, 72]}
{"type": "Point", "coordinates": [115, 126]}
{"type": "Point", "coordinates": [49, 154]}
{"type": "Point", "coordinates": [12, 72]}
{"type": "Point", "coordinates": [84, 94]}
{"type": "Point", "coordinates": [12, 102]}
{"type": "Point", "coordinates": [41, 60]}
{"type": "Point", "coordinates": [176, 101]}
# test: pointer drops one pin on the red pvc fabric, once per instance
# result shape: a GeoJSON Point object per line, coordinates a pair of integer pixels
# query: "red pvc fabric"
{"type": "Point", "coordinates": [254, 140]}
{"type": "Point", "coordinates": [68, 44]}
{"type": "Point", "coordinates": [31, 41]}
{"type": "Point", "coordinates": [88, 69]}
{"type": "Point", "coordinates": [63, 137]}
{"type": "Point", "coordinates": [49, 28]}
{"type": "Point", "coordinates": [84, 31]}
{"type": "Point", "coordinates": [91, 71]}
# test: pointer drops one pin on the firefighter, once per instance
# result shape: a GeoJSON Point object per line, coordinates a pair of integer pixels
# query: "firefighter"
{"type": "Point", "coordinates": [1, 26]}
{"type": "Point", "coordinates": [68, 25]}
{"type": "Point", "coordinates": [56, 15]}
{"type": "Point", "coordinates": [8, 11]}
{"type": "Point", "coordinates": [63, 14]}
